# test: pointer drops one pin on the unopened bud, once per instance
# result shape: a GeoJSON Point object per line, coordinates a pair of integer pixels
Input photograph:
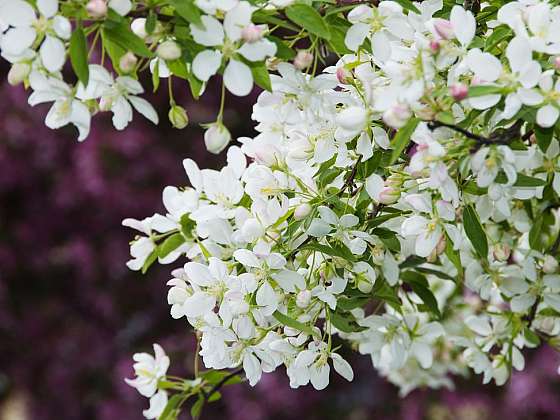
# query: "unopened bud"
{"type": "Point", "coordinates": [389, 195]}
{"type": "Point", "coordinates": [434, 46]}
{"type": "Point", "coordinates": [501, 252]}
{"type": "Point", "coordinates": [302, 211]}
{"type": "Point", "coordinates": [303, 299]}
{"type": "Point", "coordinates": [397, 116]}
{"type": "Point", "coordinates": [97, 8]}
{"type": "Point", "coordinates": [394, 180]}
{"type": "Point", "coordinates": [138, 26]}
{"type": "Point", "coordinates": [364, 285]}
{"type": "Point", "coordinates": [550, 264]}
{"type": "Point", "coordinates": [169, 50]}
{"type": "Point", "coordinates": [344, 75]}
{"type": "Point", "coordinates": [443, 28]}
{"type": "Point", "coordinates": [459, 91]}
{"type": "Point", "coordinates": [178, 117]}
{"type": "Point", "coordinates": [128, 62]}
{"type": "Point", "coordinates": [18, 73]}
{"type": "Point", "coordinates": [557, 62]}
{"type": "Point", "coordinates": [105, 104]}
{"type": "Point", "coordinates": [303, 59]}
{"type": "Point", "coordinates": [216, 138]}
{"type": "Point", "coordinates": [252, 33]}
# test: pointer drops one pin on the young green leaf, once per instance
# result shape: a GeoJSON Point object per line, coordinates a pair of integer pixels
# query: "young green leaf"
{"type": "Point", "coordinates": [187, 10]}
{"type": "Point", "coordinates": [170, 244]}
{"type": "Point", "coordinates": [402, 138]}
{"type": "Point", "coordinates": [292, 323]}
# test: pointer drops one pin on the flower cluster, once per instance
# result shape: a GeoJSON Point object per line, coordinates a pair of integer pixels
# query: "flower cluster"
{"type": "Point", "coordinates": [404, 199]}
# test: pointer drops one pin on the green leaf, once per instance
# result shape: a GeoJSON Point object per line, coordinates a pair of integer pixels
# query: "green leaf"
{"type": "Point", "coordinates": [292, 323]}
{"type": "Point", "coordinates": [178, 68]}
{"type": "Point", "coordinates": [261, 76]}
{"type": "Point", "coordinates": [337, 250]}
{"type": "Point", "coordinates": [187, 10]}
{"type": "Point", "coordinates": [535, 239]}
{"type": "Point", "coordinates": [196, 409]}
{"type": "Point", "coordinates": [150, 260]}
{"type": "Point", "coordinates": [402, 138]}
{"type": "Point", "coordinates": [389, 238]}
{"type": "Point", "coordinates": [309, 19]}
{"type": "Point", "coordinates": [151, 22]}
{"type": "Point", "coordinates": [419, 285]}
{"type": "Point", "coordinates": [544, 137]}
{"type": "Point", "coordinates": [475, 232]}
{"type": "Point", "coordinates": [436, 273]}
{"type": "Point", "coordinates": [345, 322]}
{"type": "Point", "coordinates": [170, 411]}
{"type": "Point", "coordinates": [475, 91]}
{"type": "Point", "coordinates": [282, 50]}
{"type": "Point", "coordinates": [170, 244]}
{"type": "Point", "coordinates": [121, 35]}
{"type": "Point", "coordinates": [408, 5]}
{"type": "Point", "coordinates": [79, 55]}
{"type": "Point", "coordinates": [453, 255]}
{"type": "Point", "coordinates": [349, 303]}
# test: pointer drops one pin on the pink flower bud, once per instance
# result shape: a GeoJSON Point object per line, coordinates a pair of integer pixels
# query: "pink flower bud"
{"type": "Point", "coordinates": [252, 33]}
{"type": "Point", "coordinates": [128, 62]}
{"type": "Point", "coordinates": [557, 62]}
{"type": "Point", "coordinates": [459, 91]}
{"type": "Point", "coordinates": [303, 299]}
{"type": "Point", "coordinates": [501, 252]}
{"type": "Point", "coordinates": [443, 28]}
{"type": "Point", "coordinates": [302, 211]}
{"type": "Point", "coordinates": [97, 8]}
{"type": "Point", "coordinates": [344, 75]}
{"type": "Point", "coordinates": [303, 59]}
{"type": "Point", "coordinates": [434, 46]}
{"type": "Point", "coordinates": [397, 116]}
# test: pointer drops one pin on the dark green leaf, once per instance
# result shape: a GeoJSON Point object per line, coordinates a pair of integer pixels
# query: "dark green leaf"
{"type": "Point", "coordinates": [309, 19]}
{"type": "Point", "coordinates": [170, 411]}
{"type": "Point", "coordinates": [79, 55]}
{"type": "Point", "coordinates": [475, 232]}
{"type": "Point", "coordinates": [261, 76]}
{"type": "Point", "coordinates": [544, 137]}
{"type": "Point", "coordinates": [345, 322]}
{"type": "Point", "coordinates": [282, 50]}
{"type": "Point", "coordinates": [122, 36]}
{"type": "Point", "coordinates": [419, 286]}
{"type": "Point", "coordinates": [187, 10]}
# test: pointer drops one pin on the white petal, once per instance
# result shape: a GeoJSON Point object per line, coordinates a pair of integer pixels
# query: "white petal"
{"type": "Point", "coordinates": [206, 64]}
{"type": "Point", "coordinates": [464, 25]}
{"type": "Point", "coordinates": [236, 19]}
{"type": "Point", "coordinates": [53, 54]}
{"type": "Point", "coordinates": [238, 78]}
{"type": "Point", "coordinates": [145, 108]}
{"type": "Point", "coordinates": [258, 51]}
{"type": "Point", "coordinates": [17, 40]}
{"type": "Point", "coordinates": [342, 367]}
{"type": "Point", "coordinates": [319, 376]}
{"type": "Point", "coordinates": [356, 35]}
{"type": "Point", "coordinates": [17, 13]}
{"type": "Point", "coordinates": [47, 8]}
{"type": "Point", "coordinates": [122, 7]}
{"type": "Point", "coordinates": [547, 116]}
{"type": "Point", "coordinates": [211, 34]}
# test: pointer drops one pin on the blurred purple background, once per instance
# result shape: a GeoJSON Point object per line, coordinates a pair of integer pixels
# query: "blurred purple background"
{"type": "Point", "coordinates": [72, 314]}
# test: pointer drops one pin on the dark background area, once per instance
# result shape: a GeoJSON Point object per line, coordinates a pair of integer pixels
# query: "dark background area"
{"type": "Point", "coordinates": [72, 314]}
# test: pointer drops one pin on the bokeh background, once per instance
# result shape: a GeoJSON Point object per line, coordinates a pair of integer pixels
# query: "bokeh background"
{"type": "Point", "coordinates": [72, 314]}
